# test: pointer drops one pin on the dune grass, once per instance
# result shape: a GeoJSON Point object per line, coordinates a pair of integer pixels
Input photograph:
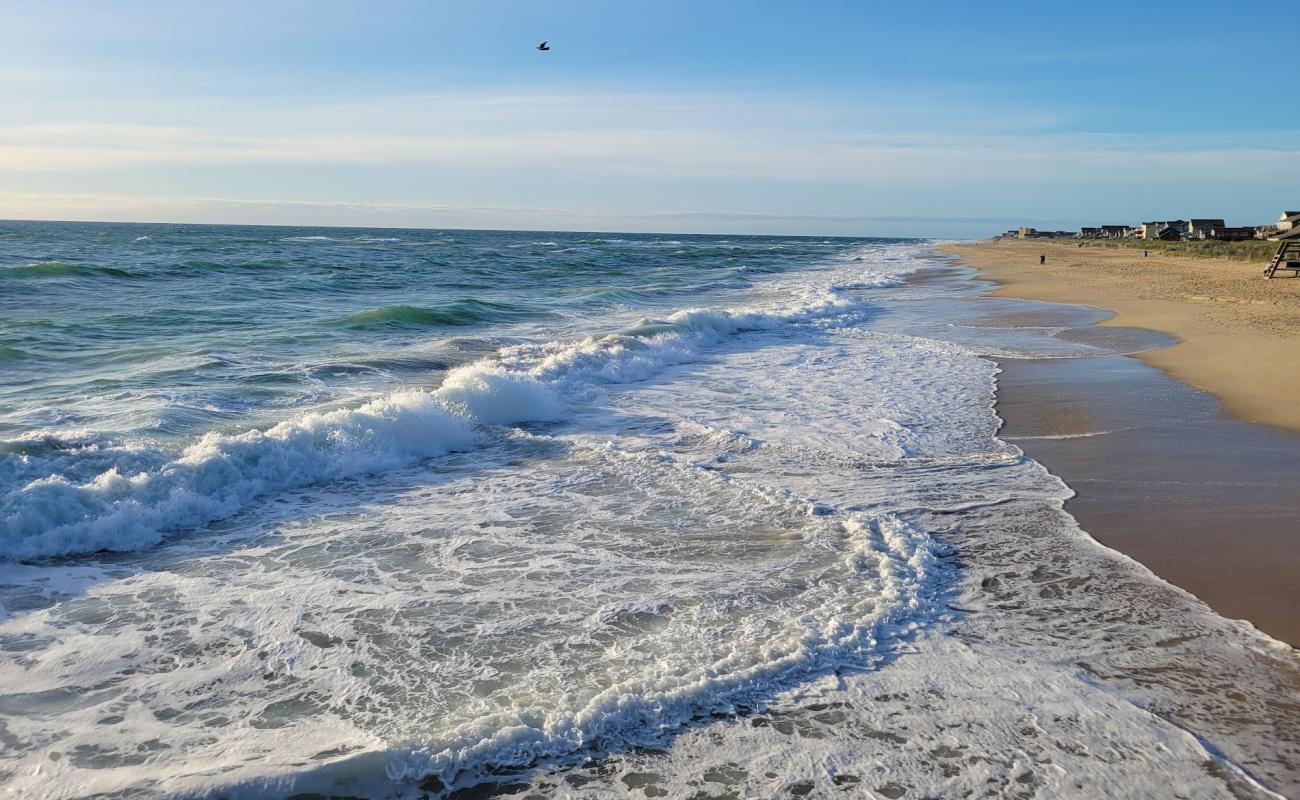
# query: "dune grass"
{"type": "Point", "coordinates": [1251, 250]}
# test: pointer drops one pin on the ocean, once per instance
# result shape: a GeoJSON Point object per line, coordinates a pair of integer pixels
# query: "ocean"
{"type": "Point", "coordinates": [404, 513]}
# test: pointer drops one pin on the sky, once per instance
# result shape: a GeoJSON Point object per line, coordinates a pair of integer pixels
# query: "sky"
{"type": "Point", "coordinates": [948, 119]}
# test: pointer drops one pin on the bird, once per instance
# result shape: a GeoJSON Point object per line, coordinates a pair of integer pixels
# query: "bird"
{"type": "Point", "coordinates": [543, 47]}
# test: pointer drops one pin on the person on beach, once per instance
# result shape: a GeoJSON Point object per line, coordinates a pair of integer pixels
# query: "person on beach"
{"type": "Point", "coordinates": [1042, 259]}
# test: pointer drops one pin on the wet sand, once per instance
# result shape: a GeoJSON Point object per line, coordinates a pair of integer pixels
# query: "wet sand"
{"type": "Point", "coordinates": [1161, 472]}
{"type": "Point", "coordinates": [1238, 333]}
{"type": "Point", "coordinates": [1206, 502]}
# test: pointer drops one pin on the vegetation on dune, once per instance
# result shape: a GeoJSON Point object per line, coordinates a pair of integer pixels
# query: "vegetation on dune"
{"type": "Point", "coordinates": [1251, 250]}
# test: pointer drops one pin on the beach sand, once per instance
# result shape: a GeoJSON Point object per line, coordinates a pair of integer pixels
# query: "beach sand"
{"type": "Point", "coordinates": [1239, 333]}
{"type": "Point", "coordinates": [1206, 501]}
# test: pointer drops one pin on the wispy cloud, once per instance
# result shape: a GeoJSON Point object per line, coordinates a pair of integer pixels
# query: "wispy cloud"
{"type": "Point", "coordinates": [475, 157]}
{"type": "Point", "coordinates": [739, 137]}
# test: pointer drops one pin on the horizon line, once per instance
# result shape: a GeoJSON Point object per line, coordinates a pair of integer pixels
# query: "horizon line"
{"type": "Point", "coordinates": [60, 221]}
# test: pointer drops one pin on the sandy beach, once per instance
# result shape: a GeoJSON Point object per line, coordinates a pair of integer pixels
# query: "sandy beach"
{"type": "Point", "coordinates": [1132, 438]}
{"type": "Point", "coordinates": [1238, 333]}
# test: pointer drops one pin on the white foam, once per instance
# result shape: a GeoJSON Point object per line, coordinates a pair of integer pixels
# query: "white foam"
{"type": "Point", "coordinates": [55, 514]}
{"type": "Point", "coordinates": [754, 532]}
{"type": "Point", "coordinates": [881, 595]}
{"type": "Point", "coordinates": [217, 475]}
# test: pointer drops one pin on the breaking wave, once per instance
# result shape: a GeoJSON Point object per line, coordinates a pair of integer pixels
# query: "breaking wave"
{"type": "Point", "coordinates": [47, 513]}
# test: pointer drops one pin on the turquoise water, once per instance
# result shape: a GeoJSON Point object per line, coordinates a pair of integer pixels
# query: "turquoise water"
{"type": "Point", "coordinates": [394, 514]}
{"type": "Point", "coordinates": [164, 331]}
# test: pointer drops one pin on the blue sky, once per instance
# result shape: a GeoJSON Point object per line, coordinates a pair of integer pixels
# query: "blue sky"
{"type": "Point", "coordinates": [947, 119]}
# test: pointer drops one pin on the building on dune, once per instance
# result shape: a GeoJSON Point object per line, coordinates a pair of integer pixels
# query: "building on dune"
{"type": "Point", "coordinates": [1287, 227]}
{"type": "Point", "coordinates": [1226, 234]}
{"type": "Point", "coordinates": [1196, 228]}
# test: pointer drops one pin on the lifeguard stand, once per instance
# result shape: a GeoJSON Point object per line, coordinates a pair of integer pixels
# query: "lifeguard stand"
{"type": "Point", "coordinates": [1287, 257]}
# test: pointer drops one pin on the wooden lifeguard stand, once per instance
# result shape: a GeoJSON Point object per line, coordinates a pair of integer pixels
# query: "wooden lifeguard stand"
{"type": "Point", "coordinates": [1287, 257]}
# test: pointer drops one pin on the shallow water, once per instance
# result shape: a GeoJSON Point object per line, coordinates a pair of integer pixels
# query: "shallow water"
{"type": "Point", "coordinates": [391, 513]}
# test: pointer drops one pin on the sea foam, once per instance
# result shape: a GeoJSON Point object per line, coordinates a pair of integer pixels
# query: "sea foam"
{"type": "Point", "coordinates": [218, 475]}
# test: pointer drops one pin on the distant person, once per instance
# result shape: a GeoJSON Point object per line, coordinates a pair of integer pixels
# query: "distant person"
{"type": "Point", "coordinates": [1042, 259]}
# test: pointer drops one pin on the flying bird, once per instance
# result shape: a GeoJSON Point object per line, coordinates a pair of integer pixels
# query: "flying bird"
{"type": "Point", "coordinates": [543, 47]}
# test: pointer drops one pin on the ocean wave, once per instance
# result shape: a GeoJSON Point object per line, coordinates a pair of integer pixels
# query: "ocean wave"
{"type": "Point", "coordinates": [219, 474]}
{"type": "Point", "coordinates": [227, 265]}
{"type": "Point", "coordinates": [618, 296]}
{"type": "Point", "coordinates": [11, 354]}
{"type": "Point", "coordinates": [462, 312]}
{"type": "Point", "coordinates": [60, 269]}
{"type": "Point", "coordinates": [66, 511]}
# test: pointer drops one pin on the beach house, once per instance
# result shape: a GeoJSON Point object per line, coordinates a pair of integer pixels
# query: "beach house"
{"type": "Point", "coordinates": [1090, 233]}
{"type": "Point", "coordinates": [1287, 227]}
{"type": "Point", "coordinates": [1166, 229]}
{"type": "Point", "coordinates": [1159, 229]}
{"type": "Point", "coordinates": [1197, 228]}
{"type": "Point", "coordinates": [1223, 233]}
{"type": "Point", "coordinates": [1115, 231]}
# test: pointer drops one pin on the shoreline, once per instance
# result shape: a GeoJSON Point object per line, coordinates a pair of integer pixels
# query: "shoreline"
{"type": "Point", "coordinates": [1236, 333]}
{"type": "Point", "coordinates": [1160, 471]}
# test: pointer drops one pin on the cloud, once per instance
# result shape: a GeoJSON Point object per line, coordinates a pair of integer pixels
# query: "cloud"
{"type": "Point", "coordinates": [468, 159]}
{"type": "Point", "coordinates": [750, 138]}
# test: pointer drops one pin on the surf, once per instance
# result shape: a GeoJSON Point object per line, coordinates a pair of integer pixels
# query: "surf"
{"type": "Point", "coordinates": [118, 509]}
